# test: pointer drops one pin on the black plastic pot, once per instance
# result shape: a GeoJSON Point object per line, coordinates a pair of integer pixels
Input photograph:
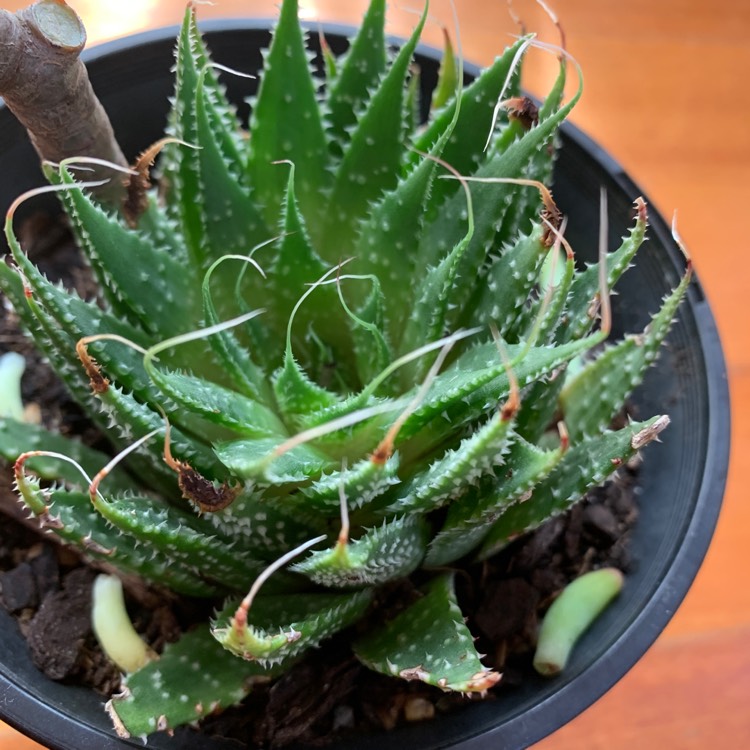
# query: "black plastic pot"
{"type": "Point", "coordinates": [681, 483]}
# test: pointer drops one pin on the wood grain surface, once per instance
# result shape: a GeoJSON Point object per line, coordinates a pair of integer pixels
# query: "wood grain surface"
{"type": "Point", "coordinates": [668, 94]}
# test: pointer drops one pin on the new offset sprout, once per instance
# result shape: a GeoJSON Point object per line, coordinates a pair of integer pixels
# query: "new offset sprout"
{"type": "Point", "coordinates": [571, 614]}
{"type": "Point", "coordinates": [328, 347]}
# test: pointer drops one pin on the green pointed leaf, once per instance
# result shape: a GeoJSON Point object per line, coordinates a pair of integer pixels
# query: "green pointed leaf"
{"type": "Point", "coordinates": [508, 284]}
{"type": "Point", "coordinates": [431, 304]}
{"type": "Point", "coordinates": [280, 627]}
{"type": "Point", "coordinates": [287, 98]}
{"type": "Point", "coordinates": [448, 478]}
{"type": "Point", "coordinates": [217, 404]}
{"type": "Point", "coordinates": [361, 484]}
{"type": "Point", "coordinates": [470, 520]}
{"type": "Point", "coordinates": [330, 61]}
{"type": "Point", "coordinates": [585, 285]}
{"type": "Point", "coordinates": [71, 517]}
{"type": "Point", "coordinates": [584, 466]}
{"type": "Point", "coordinates": [231, 222]}
{"type": "Point", "coordinates": [193, 678]}
{"type": "Point", "coordinates": [360, 70]}
{"type": "Point", "coordinates": [465, 149]}
{"type": "Point", "coordinates": [181, 537]}
{"type": "Point", "coordinates": [488, 200]}
{"type": "Point", "coordinates": [296, 394]}
{"type": "Point", "coordinates": [592, 398]}
{"type": "Point", "coordinates": [295, 266]}
{"type": "Point", "coordinates": [257, 459]}
{"type": "Point", "coordinates": [394, 225]}
{"type": "Point", "coordinates": [133, 420]}
{"type": "Point", "coordinates": [20, 437]}
{"type": "Point", "coordinates": [66, 318]}
{"type": "Point", "coordinates": [413, 101]}
{"type": "Point", "coordinates": [429, 642]}
{"type": "Point", "coordinates": [373, 157]}
{"type": "Point", "coordinates": [478, 381]}
{"type": "Point", "coordinates": [447, 75]}
{"type": "Point", "coordinates": [382, 554]}
{"type": "Point", "coordinates": [179, 163]}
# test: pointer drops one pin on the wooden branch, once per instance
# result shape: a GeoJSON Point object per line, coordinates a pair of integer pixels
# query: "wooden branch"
{"type": "Point", "coordinates": [45, 84]}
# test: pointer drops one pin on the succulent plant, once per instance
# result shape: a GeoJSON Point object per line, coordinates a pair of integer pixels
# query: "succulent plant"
{"type": "Point", "coordinates": [313, 350]}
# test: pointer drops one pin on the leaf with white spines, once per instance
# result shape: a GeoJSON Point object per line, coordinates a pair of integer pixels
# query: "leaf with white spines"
{"type": "Point", "coordinates": [428, 641]}
{"type": "Point", "coordinates": [592, 397]}
{"type": "Point", "coordinates": [584, 466]}
{"type": "Point", "coordinates": [218, 404]}
{"type": "Point", "coordinates": [508, 283]}
{"type": "Point", "coordinates": [181, 537]}
{"type": "Point", "coordinates": [281, 627]}
{"type": "Point", "coordinates": [451, 475]}
{"type": "Point", "coordinates": [134, 420]}
{"type": "Point", "coordinates": [585, 286]}
{"type": "Point", "coordinates": [193, 678]}
{"type": "Point", "coordinates": [268, 527]}
{"type": "Point", "coordinates": [16, 436]}
{"type": "Point", "coordinates": [357, 73]}
{"type": "Point", "coordinates": [67, 318]}
{"type": "Point", "coordinates": [180, 164]}
{"type": "Point", "coordinates": [446, 230]}
{"type": "Point", "coordinates": [390, 551]}
{"type": "Point", "coordinates": [71, 517]}
{"type": "Point", "coordinates": [470, 520]}
{"type": "Point", "coordinates": [361, 483]}
{"type": "Point", "coordinates": [230, 221]}
{"type": "Point", "coordinates": [372, 157]}
{"type": "Point", "coordinates": [287, 98]}
{"type": "Point", "coordinates": [476, 381]}
{"type": "Point", "coordinates": [464, 150]}
{"type": "Point", "coordinates": [144, 283]}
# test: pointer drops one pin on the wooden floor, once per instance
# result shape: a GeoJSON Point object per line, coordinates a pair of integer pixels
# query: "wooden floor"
{"type": "Point", "coordinates": [668, 94]}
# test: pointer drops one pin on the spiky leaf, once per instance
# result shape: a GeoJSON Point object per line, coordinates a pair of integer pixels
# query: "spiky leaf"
{"type": "Point", "coordinates": [430, 642]}
{"type": "Point", "coordinates": [280, 627]}
{"type": "Point", "coordinates": [193, 678]}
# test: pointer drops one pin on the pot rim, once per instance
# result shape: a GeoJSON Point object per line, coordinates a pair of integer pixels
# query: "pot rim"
{"type": "Point", "coordinates": [47, 724]}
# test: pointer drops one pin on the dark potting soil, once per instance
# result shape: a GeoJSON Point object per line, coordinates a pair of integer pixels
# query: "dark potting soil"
{"type": "Point", "coordinates": [44, 584]}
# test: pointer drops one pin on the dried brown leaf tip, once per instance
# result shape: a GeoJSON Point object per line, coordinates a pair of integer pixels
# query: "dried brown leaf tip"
{"type": "Point", "coordinates": [137, 185]}
{"type": "Point", "coordinates": [382, 453]}
{"type": "Point", "coordinates": [201, 492]}
{"type": "Point", "coordinates": [482, 681]}
{"type": "Point", "coordinates": [650, 433]}
{"type": "Point", "coordinates": [522, 110]}
{"type": "Point", "coordinates": [551, 217]}
{"type": "Point", "coordinates": [641, 209]}
{"type": "Point", "coordinates": [99, 384]}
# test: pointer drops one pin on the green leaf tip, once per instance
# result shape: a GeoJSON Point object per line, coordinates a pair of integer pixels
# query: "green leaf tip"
{"type": "Point", "coordinates": [429, 642]}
